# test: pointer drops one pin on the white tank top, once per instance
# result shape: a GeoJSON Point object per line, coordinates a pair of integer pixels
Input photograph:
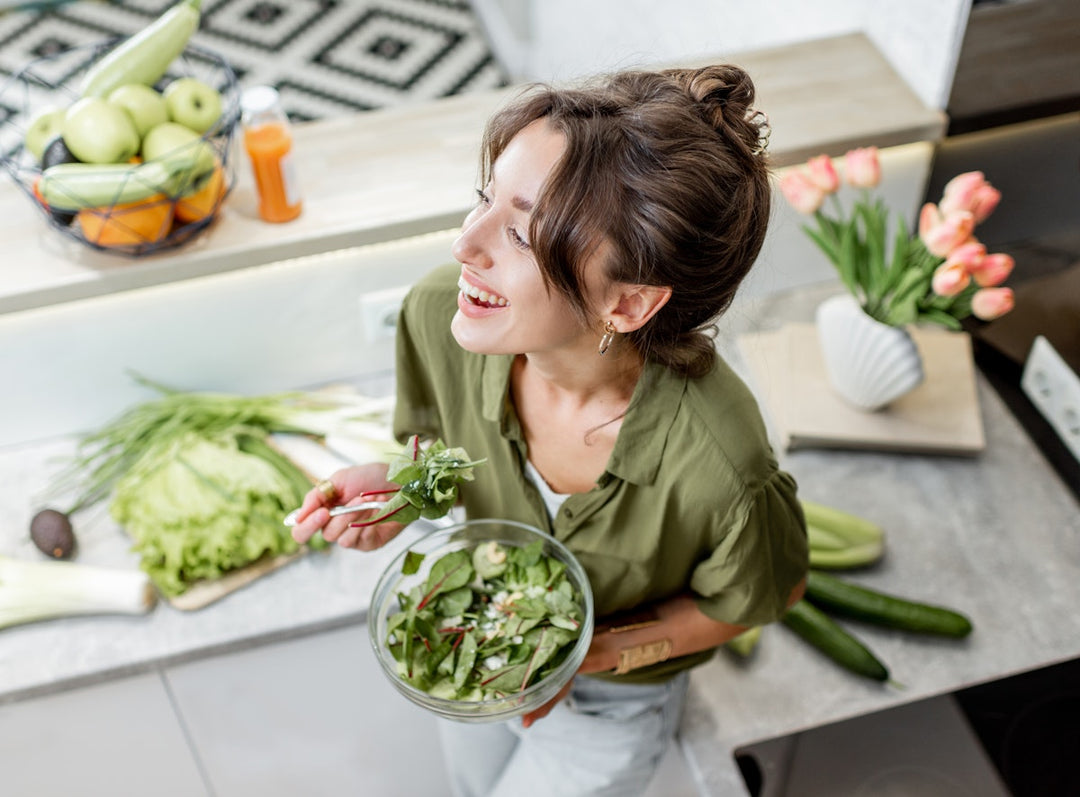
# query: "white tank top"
{"type": "Point", "coordinates": [552, 499]}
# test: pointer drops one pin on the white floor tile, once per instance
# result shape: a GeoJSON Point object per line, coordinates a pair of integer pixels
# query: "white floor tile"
{"type": "Point", "coordinates": [313, 716]}
{"type": "Point", "coordinates": [118, 739]}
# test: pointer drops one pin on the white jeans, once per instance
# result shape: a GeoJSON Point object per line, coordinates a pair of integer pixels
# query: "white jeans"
{"type": "Point", "coordinates": [604, 739]}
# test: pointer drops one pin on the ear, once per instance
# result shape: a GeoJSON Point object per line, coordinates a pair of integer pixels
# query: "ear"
{"type": "Point", "coordinates": [634, 305]}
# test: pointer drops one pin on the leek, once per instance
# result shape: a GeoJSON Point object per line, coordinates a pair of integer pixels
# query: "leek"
{"type": "Point", "coordinates": [32, 591]}
{"type": "Point", "coordinates": [194, 479]}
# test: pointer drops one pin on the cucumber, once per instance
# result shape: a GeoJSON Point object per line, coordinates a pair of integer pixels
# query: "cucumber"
{"type": "Point", "coordinates": [841, 597]}
{"type": "Point", "coordinates": [848, 558]}
{"type": "Point", "coordinates": [145, 56]}
{"type": "Point", "coordinates": [823, 633]}
{"type": "Point", "coordinates": [843, 524]}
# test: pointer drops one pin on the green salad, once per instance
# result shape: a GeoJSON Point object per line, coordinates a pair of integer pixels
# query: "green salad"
{"type": "Point", "coordinates": [485, 623]}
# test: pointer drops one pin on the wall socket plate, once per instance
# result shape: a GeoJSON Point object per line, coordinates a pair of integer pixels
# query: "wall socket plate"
{"type": "Point", "coordinates": [379, 312]}
{"type": "Point", "coordinates": [1054, 389]}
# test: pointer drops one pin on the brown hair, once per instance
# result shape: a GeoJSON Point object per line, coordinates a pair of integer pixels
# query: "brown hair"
{"type": "Point", "coordinates": [668, 168]}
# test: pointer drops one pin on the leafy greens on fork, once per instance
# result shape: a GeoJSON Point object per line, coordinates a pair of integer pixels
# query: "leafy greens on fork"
{"type": "Point", "coordinates": [429, 480]}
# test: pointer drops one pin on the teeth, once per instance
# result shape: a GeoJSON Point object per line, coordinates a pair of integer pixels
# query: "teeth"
{"type": "Point", "coordinates": [481, 296]}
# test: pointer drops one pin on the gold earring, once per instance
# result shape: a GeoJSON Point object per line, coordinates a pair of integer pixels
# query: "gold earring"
{"type": "Point", "coordinates": [609, 335]}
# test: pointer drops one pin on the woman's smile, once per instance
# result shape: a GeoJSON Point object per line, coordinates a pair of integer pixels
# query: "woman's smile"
{"type": "Point", "coordinates": [481, 297]}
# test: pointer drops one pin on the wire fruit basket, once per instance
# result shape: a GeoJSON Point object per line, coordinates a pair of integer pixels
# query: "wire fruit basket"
{"type": "Point", "coordinates": [132, 229]}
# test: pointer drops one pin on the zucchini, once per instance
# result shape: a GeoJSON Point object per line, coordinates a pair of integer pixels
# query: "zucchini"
{"type": "Point", "coordinates": [74, 186]}
{"type": "Point", "coordinates": [823, 633]}
{"type": "Point", "coordinates": [841, 597]}
{"type": "Point", "coordinates": [145, 56]}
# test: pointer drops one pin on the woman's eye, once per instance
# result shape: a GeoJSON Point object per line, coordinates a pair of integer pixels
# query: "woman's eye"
{"type": "Point", "coordinates": [482, 199]}
{"type": "Point", "coordinates": [516, 239]}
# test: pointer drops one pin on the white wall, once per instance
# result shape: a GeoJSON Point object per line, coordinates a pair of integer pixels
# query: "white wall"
{"type": "Point", "coordinates": [570, 38]}
{"type": "Point", "coordinates": [296, 323]}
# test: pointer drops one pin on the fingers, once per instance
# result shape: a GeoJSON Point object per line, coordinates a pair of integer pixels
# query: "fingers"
{"type": "Point", "coordinates": [537, 714]}
{"type": "Point", "coordinates": [368, 538]}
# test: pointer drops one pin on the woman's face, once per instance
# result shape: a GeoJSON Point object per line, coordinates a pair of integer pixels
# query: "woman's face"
{"type": "Point", "coordinates": [504, 306]}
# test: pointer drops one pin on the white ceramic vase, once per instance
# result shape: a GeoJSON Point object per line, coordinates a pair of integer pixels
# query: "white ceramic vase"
{"type": "Point", "coordinates": [869, 364]}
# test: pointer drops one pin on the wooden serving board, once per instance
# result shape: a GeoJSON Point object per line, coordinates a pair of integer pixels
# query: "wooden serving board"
{"type": "Point", "coordinates": [204, 593]}
{"type": "Point", "coordinates": [940, 416]}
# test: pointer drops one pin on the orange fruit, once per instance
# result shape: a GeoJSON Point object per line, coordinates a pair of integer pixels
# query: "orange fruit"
{"type": "Point", "coordinates": [203, 201]}
{"type": "Point", "coordinates": [144, 222]}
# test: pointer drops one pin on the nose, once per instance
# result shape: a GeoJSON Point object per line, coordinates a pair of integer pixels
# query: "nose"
{"type": "Point", "coordinates": [470, 246]}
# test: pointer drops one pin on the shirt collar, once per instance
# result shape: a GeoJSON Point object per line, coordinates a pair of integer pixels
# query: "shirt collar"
{"type": "Point", "coordinates": [643, 435]}
{"type": "Point", "coordinates": [495, 390]}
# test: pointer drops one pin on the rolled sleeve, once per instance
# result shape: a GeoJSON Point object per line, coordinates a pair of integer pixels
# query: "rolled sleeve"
{"type": "Point", "coordinates": [755, 565]}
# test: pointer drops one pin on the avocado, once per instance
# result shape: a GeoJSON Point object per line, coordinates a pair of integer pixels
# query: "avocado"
{"type": "Point", "coordinates": [56, 152]}
{"type": "Point", "coordinates": [51, 532]}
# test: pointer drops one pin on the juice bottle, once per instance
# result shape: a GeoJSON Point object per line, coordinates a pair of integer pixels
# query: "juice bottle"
{"type": "Point", "coordinates": [268, 142]}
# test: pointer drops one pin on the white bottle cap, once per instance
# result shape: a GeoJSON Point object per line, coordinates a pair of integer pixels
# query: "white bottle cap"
{"type": "Point", "coordinates": [258, 99]}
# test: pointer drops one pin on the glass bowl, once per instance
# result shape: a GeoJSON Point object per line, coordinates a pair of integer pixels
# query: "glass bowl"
{"type": "Point", "coordinates": [467, 536]}
{"type": "Point", "coordinates": [53, 81]}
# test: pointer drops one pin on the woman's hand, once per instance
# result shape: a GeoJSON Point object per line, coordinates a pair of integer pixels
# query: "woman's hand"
{"type": "Point", "coordinates": [351, 486]}
{"type": "Point", "coordinates": [677, 620]}
{"type": "Point", "coordinates": [596, 660]}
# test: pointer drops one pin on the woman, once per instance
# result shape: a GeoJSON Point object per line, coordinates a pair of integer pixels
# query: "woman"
{"type": "Point", "coordinates": [614, 224]}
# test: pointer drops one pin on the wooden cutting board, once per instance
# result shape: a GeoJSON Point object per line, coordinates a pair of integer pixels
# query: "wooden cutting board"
{"type": "Point", "coordinates": [940, 416]}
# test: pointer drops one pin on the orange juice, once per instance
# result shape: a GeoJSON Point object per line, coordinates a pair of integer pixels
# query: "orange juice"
{"type": "Point", "coordinates": [269, 146]}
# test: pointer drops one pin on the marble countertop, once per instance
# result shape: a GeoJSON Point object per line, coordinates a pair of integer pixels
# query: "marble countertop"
{"type": "Point", "coordinates": [316, 592]}
{"type": "Point", "coordinates": [996, 536]}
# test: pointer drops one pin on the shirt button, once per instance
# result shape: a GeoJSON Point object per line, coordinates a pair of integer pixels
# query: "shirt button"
{"type": "Point", "coordinates": [567, 512]}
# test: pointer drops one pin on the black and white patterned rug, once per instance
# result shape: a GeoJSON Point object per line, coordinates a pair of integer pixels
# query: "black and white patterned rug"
{"type": "Point", "coordinates": [325, 57]}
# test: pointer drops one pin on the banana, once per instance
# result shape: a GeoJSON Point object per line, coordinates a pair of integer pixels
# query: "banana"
{"type": "Point", "coordinates": [145, 56]}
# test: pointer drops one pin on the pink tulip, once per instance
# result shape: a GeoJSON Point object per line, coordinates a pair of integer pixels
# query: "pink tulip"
{"type": "Point", "coordinates": [943, 233]}
{"type": "Point", "coordinates": [992, 270]}
{"type": "Point", "coordinates": [968, 255]}
{"type": "Point", "coordinates": [949, 279]}
{"type": "Point", "coordinates": [801, 192]}
{"type": "Point", "coordinates": [970, 191]}
{"type": "Point", "coordinates": [862, 168]}
{"type": "Point", "coordinates": [991, 303]}
{"type": "Point", "coordinates": [823, 174]}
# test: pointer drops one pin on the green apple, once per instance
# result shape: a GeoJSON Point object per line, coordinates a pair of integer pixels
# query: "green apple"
{"type": "Point", "coordinates": [98, 132]}
{"type": "Point", "coordinates": [145, 106]}
{"type": "Point", "coordinates": [43, 128]}
{"type": "Point", "coordinates": [182, 151]}
{"type": "Point", "coordinates": [193, 103]}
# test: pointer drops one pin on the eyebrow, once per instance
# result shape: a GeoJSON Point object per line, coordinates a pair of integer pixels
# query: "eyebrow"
{"type": "Point", "coordinates": [522, 204]}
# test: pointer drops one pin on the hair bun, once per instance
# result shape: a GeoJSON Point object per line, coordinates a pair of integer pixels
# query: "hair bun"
{"type": "Point", "coordinates": [725, 95]}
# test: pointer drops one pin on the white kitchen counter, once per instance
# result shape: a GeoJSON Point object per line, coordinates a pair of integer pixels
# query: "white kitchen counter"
{"type": "Point", "coordinates": [318, 591]}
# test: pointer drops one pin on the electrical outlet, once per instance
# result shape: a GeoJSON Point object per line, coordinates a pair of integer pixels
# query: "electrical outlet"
{"type": "Point", "coordinates": [1054, 389]}
{"type": "Point", "coordinates": [379, 312]}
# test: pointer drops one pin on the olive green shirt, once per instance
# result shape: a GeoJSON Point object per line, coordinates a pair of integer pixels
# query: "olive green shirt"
{"type": "Point", "coordinates": [691, 499]}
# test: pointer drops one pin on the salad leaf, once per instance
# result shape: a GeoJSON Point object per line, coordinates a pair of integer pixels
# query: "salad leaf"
{"type": "Point", "coordinates": [429, 480]}
{"type": "Point", "coordinates": [472, 634]}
